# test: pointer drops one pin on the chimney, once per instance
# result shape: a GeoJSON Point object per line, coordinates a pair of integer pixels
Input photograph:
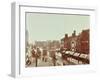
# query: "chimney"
{"type": "Point", "coordinates": [66, 35]}
{"type": "Point", "coordinates": [74, 33]}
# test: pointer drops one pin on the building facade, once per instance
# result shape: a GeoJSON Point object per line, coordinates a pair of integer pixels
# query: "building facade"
{"type": "Point", "coordinates": [77, 43]}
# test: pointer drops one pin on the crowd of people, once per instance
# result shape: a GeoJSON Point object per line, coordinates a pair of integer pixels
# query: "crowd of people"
{"type": "Point", "coordinates": [34, 54]}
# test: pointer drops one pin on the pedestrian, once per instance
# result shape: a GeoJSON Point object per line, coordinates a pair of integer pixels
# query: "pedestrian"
{"type": "Point", "coordinates": [44, 55]}
{"type": "Point", "coordinates": [38, 53]}
{"type": "Point", "coordinates": [59, 61]}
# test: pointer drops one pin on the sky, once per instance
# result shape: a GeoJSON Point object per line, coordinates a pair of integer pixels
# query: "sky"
{"type": "Point", "coordinates": [43, 26]}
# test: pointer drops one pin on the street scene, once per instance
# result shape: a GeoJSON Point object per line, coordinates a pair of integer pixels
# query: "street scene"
{"type": "Point", "coordinates": [54, 40]}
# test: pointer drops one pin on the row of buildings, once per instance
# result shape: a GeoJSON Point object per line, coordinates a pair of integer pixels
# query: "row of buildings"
{"type": "Point", "coordinates": [49, 44]}
{"type": "Point", "coordinates": [77, 43]}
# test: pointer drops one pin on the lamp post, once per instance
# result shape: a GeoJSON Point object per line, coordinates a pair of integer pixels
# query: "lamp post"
{"type": "Point", "coordinates": [54, 58]}
{"type": "Point", "coordinates": [36, 59]}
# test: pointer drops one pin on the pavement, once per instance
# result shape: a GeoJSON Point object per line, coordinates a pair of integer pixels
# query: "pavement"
{"type": "Point", "coordinates": [41, 63]}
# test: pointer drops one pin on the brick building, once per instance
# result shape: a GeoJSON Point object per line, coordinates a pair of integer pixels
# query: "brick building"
{"type": "Point", "coordinates": [77, 43]}
{"type": "Point", "coordinates": [83, 42]}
